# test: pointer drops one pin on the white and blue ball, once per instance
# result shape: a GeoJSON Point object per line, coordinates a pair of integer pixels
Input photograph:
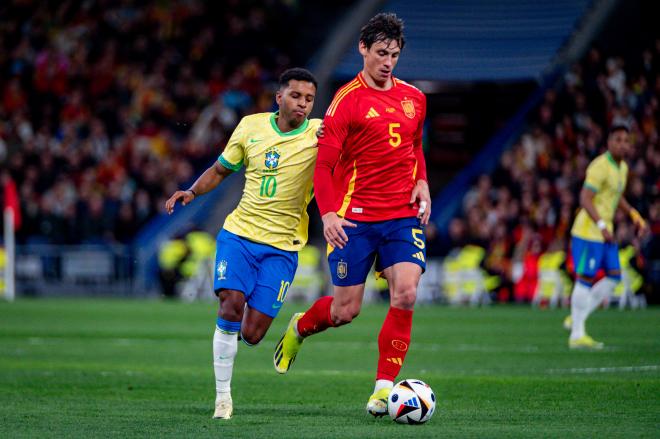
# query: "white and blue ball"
{"type": "Point", "coordinates": [411, 402]}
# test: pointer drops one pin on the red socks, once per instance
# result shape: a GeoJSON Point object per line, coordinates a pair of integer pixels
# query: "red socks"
{"type": "Point", "coordinates": [316, 318]}
{"type": "Point", "coordinates": [393, 342]}
{"type": "Point", "coordinates": [393, 339]}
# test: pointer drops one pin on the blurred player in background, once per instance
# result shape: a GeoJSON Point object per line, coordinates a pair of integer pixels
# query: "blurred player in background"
{"type": "Point", "coordinates": [256, 255]}
{"type": "Point", "coordinates": [592, 243]}
{"type": "Point", "coordinates": [371, 189]}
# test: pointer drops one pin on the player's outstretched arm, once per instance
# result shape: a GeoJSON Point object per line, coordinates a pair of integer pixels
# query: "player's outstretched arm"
{"type": "Point", "coordinates": [206, 182]}
{"type": "Point", "coordinates": [637, 219]}
{"type": "Point", "coordinates": [587, 203]}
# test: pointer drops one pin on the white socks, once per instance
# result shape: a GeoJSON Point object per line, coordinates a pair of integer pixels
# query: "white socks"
{"type": "Point", "coordinates": [580, 303]}
{"type": "Point", "coordinates": [225, 346]}
{"type": "Point", "coordinates": [585, 300]}
{"type": "Point", "coordinates": [601, 290]}
{"type": "Point", "coordinates": [381, 384]}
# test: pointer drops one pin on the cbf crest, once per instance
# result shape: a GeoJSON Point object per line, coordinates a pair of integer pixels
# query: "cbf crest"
{"type": "Point", "coordinates": [272, 158]}
{"type": "Point", "coordinates": [408, 108]}
{"type": "Point", "coordinates": [222, 270]}
{"type": "Point", "coordinates": [342, 270]}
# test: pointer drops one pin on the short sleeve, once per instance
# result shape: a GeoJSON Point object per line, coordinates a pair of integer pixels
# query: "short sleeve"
{"type": "Point", "coordinates": [234, 153]}
{"type": "Point", "coordinates": [594, 178]}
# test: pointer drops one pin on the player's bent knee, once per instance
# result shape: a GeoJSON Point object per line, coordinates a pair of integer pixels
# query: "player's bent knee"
{"type": "Point", "coordinates": [231, 313]}
{"type": "Point", "coordinates": [251, 339]}
{"type": "Point", "coordinates": [345, 316]}
{"type": "Point", "coordinates": [231, 308]}
{"type": "Point", "coordinates": [405, 297]}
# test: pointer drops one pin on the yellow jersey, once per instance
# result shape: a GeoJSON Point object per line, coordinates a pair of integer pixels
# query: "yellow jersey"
{"type": "Point", "coordinates": [279, 169]}
{"type": "Point", "coordinates": [607, 179]}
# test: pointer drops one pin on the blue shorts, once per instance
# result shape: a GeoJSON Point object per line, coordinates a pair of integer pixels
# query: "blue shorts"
{"type": "Point", "coordinates": [591, 256]}
{"type": "Point", "coordinates": [388, 242]}
{"type": "Point", "coordinates": [262, 272]}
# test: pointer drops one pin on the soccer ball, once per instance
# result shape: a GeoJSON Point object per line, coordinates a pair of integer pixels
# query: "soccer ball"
{"type": "Point", "coordinates": [411, 402]}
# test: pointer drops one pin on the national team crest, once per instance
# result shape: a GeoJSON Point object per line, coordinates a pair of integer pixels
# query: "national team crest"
{"type": "Point", "coordinates": [342, 270]}
{"type": "Point", "coordinates": [408, 108]}
{"type": "Point", "coordinates": [222, 270]}
{"type": "Point", "coordinates": [272, 158]}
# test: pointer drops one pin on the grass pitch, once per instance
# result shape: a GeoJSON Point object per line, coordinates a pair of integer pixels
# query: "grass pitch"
{"type": "Point", "coordinates": [110, 368]}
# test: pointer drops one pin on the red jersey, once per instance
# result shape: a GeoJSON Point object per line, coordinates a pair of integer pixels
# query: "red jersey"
{"type": "Point", "coordinates": [370, 156]}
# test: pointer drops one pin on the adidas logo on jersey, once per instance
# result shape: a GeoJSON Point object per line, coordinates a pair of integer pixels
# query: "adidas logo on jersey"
{"type": "Point", "coordinates": [419, 255]}
{"type": "Point", "coordinates": [372, 113]}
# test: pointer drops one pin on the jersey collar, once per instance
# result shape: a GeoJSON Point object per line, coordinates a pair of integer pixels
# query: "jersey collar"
{"type": "Point", "coordinates": [363, 81]}
{"type": "Point", "coordinates": [300, 129]}
{"type": "Point", "coordinates": [611, 160]}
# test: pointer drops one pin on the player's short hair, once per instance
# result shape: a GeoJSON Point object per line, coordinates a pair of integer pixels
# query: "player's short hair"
{"type": "Point", "coordinates": [618, 127]}
{"type": "Point", "coordinates": [298, 74]}
{"type": "Point", "coordinates": [385, 26]}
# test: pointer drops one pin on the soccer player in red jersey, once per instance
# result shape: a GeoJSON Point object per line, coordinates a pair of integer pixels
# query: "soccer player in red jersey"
{"type": "Point", "coordinates": [371, 189]}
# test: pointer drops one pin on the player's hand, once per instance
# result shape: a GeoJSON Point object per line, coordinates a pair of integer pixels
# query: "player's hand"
{"type": "Point", "coordinates": [607, 235]}
{"type": "Point", "coordinates": [319, 131]}
{"type": "Point", "coordinates": [185, 197]}
{"type": "Point", "coordinates": [333, 229]}
{"type": "Point", "coordinates": [422, 196]}
{"type": "Point", "coordinates": [640, 223]}
{"type": "Point", "coordinates": [642, 229]}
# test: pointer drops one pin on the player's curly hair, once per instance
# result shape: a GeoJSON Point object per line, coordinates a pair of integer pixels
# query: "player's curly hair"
{"type": "Point", "coordinates": [298, 74]}
{"type": "Point", "coordinates": [385, 26]}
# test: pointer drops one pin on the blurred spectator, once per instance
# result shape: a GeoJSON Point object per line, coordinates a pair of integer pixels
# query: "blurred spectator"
{"type": "Point", "coordinates": [528, 204]}
{"type": "Point", "coordinates": [105, 106]}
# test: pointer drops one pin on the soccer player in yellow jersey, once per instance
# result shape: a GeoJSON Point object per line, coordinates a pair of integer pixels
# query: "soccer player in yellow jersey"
{"type": "Point", "coordinates": [592, 242]}
{"type": "Point", "coordinates": [256, 255]}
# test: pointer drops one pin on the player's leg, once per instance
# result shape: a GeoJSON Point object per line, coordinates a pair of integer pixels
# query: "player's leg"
{"type": "Point", "coordinates": [401, 259]}
{"type": "Point", "coordinates": [228, 324]}
{"type": "Point", "coordinates": [254, 326]}
{"type": "Point", "coordinates": [328, 311]}
{"type": "Point", "coordinates": [234, 276]}
{"type": "Point", "coordinates": [604, 288]}
{"type": "Point", "coordinates": [349, 268]}
{"type": "Point", "coordinates": [587, 256]}
{"type": "Point", "coordinates": [277, 269]}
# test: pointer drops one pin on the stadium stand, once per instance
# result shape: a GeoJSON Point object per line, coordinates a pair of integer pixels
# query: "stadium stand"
{"type": "Point", "coordinates": [523, 211]}
{"type": "Point", "coordinates": [476, 40]}
{"type": "Point", "coordinates": [107, 108]}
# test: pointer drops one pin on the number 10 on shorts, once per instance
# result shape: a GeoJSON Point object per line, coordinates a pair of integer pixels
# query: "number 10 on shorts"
{"type": "Point", "coordinates": [284, 288]}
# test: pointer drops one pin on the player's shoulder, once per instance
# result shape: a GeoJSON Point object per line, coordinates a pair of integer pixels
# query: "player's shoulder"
{"type": "Point", "coordinates": [256, 118]}
{"type": "Point", "coordinates": [314, 124]}
{"type": "Point", "coordinates": [352, 85]}
{"type": "Point", "coordinates": [409, 88]}
{"type": "Point", "coordinates": [345, 95]}
{"type": "Point", "coordinates": [599, 162]}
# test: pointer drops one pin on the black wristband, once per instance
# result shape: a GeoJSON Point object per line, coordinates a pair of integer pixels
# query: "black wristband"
{"type": "Point", "coordinates": [193, 192]}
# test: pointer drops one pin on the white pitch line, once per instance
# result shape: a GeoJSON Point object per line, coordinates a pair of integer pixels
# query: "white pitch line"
{"type": "Point", "coordinates": [588, 370]}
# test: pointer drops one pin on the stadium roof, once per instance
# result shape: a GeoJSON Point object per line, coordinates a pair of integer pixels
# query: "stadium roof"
{"type": "Point", "coordinates": [471, 40]}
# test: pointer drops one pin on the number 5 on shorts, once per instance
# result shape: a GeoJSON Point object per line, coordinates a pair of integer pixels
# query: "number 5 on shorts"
{"type": "Point", "coordinates": [419, 242]}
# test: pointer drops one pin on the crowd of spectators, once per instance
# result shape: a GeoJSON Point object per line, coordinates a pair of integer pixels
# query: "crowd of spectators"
{"type": "Point", "coordinates": [527, 205]}
{"type": "Point", "coordinates": [107, 107]}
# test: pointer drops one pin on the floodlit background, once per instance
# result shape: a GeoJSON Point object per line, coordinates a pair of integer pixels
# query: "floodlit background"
{"type": "Point", "coordinates": [108, 107]}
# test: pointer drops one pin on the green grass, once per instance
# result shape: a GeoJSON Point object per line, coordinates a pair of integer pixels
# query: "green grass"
{"type": "Point", "coordinates": [81, 368]}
